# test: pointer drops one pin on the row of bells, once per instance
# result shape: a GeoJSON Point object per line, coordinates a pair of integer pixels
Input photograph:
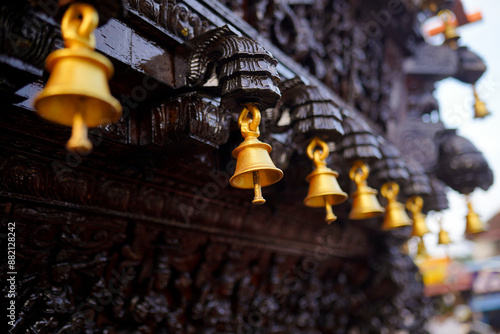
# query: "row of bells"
{"type": "Point", "coordinates": [77, 94]}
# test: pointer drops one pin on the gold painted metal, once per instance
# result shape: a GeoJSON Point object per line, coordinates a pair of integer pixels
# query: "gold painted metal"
{"type": "Point", "coordinates": [474, 224]}
{"type": "Point", "coordinates": [480, 110]}
{"type": "Point", "coordinates": [415, 205]}
{"type": "Point", "coordinates": [77, 93]}
{"type": "Point", "coordinates": [421, 250]}
{"type": "Point", "coordinates": [365, 203]}
{"type": "Point", "coordinates": [254, 167]}
{"type": "Point", "coordinates": [395, 214]}
{"type": "Point", "coordinates": [443, 237]}
{"type": "Point", "coordinates": [450, 33]}
{"type": "Point", "coordinates": [324, 189]}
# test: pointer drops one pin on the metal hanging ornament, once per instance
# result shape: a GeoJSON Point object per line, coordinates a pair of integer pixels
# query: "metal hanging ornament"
{"type": "Point", "coordinates": [77, 93]}
{"type": "Point", "coordinates": [365, 203]}
{"type": "Point", "coordinates": [415, 204]}
{"type": "Point", "coordinates": [443, 236]}
{"type": "Point", "coordinates": [254, 167]}
{"type": "Point", "coordinates": [450, 33]}
{"type": "Point", "coordinates": [395, 214]}
{"type": "Point", "coordinates": [480, 110]}
{"type": "Point", "coordinates": [324, 189]}
{"type": "Point", "coordinates": [473, 222]}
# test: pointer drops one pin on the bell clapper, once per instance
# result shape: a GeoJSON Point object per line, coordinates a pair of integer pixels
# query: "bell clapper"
{"type": "Point", "coordinates": [258, 199]}
{"type": "Point", "coordinates": [330, 216]}
{"type": "Point", "coordinates": [79, 141]}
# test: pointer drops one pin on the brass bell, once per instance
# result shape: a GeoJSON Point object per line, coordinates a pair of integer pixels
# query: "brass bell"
{"type": "Point", "coordinates": [480, 110]}
{"type": "Point", "coordinates": [421, 249]}
{"type": "Point", "coordinates": [443, 237]}
{"type": "Point", "coordinates": [395, 214]}
{"type": "Point", "coordinates": [450, 33]}
{"type": "Point", "coordinates": [415, 205]}
{"type": "Point", "coordinates": [254, 167]}
{"type": "Point", "coordinates": [365, 203]}
{"type": "Point", "coordinates": [77, 93]}
{"type": "Point", "coordinates": [474, 224]}
{"type": "Point", "coordinates": [324, 189]}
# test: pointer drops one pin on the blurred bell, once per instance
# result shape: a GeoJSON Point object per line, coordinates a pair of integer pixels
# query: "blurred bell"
{"type": "Point", "coordinates": [480, 110]}
{"type": "Point", "coordinates": [365, 203]}
{"type": "Point", "coordinates": [421, 249]}
{"type": "Point", "coordinates": [77, 93]}
{"type": "Point", "coordinates": [324, 189]}
{"type": "Point", "coordinates": [395, 214]}
{"type": "Point", "coordinates": [474, 224]}
{"type": "Point", "coordinates": [415, 204]}
{"type": "Point", "coordinates": [450, 33]}
{"type": "Point", "coordinates": [254, 167]}
{"type": "Point", "coordinates": [443, 237]}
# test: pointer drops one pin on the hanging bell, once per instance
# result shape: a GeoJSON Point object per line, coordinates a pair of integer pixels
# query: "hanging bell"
{"type": "Point", "coordinates": [421, 249]}
{"type": "Point", "coordinates": [415, 205]}
{"type": "Point", "coordinates": [480, 110]}
{"type": "Point", "coordinates": [324, 189]}
{"type": "Point", "coordinates": [254, 167]}
{"type": "Point", "coordinates": [364, 200]}
{"type": "Point", "coordinates": [443, 237]}
{"type": "Point", "coordinates": [77, 93]}
{"type": "Point", "coordinates": [450, 33]}
{"type": "Point", "coordinates": [395, 214]}
{"type": "Point", "coordinates": [474, 224]}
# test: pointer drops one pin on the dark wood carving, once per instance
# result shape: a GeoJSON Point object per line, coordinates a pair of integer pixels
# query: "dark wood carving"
{"type": "Point", "coordinates": [244, 70]}
{"type": "Point", "coordinates": [145, 235]}
{"type": "Point", "coordinates": [312, 113]}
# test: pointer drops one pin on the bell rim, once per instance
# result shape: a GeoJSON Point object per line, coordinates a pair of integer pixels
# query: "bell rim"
{"type": "Point", "coordinates": [371, 214]}
{"type": "Point", "coordinates": [342, 196]}
{"type": "Point", "coordinates": [279, 174]}
{"type": "Point", "coordinates": [53, 92]}
{"type": "Point", "coordinates": [85, 54]}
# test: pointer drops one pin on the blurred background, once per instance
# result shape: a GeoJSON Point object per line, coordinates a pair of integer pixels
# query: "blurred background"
{"type": "Point", "coordinates": [463, 278]}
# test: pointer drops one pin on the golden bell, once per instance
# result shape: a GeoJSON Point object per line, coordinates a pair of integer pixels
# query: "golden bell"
{"type": "Point", "coordinates": [324, 189]}
{"type": "Point", "coordinates": [77, 93]}
{"type": "Point", "coordinates": [415, 204]}
{"type": "Point", "coordinates": [421, 249]}
{"type": "Point", "coordinates": [450, 33]}
{"type": "Point", "coordinates": [395, 214]}
{"type": "Point", "coordinates": [365, 203]}
{"type": "Point", "coordinates": [474, 224]}
{"type": "Point", "coordinates": [443, 237]}
{"type": "Point", "coordinates": [480, 110]}
{"type": "Point", "coordinates": [254, 167]}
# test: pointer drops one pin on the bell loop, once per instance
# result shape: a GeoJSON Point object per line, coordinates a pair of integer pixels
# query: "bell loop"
{"type": "Point", "coordinates": [249, 126]}
{"type": "Point", "coordinates": [359, 172]}
{"type": "Point", "coordinates": [415, 204]}
{"type": "Point", "coordinates": [318, 156]}
{"type": "Point", "coordinates": [390, 190]}
{"type": "Point", "coordinates": [78, 25]}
